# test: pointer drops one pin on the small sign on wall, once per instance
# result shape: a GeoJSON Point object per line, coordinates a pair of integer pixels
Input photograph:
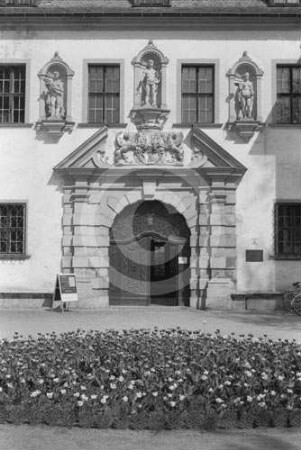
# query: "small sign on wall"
{"type": "Point", "coordinates": [254, 255]}
{"type": "Point", "coordinates": [65, 289]}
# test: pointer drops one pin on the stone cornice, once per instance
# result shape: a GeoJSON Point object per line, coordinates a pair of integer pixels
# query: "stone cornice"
{"type": "Point", "coordinates": [137, 19]}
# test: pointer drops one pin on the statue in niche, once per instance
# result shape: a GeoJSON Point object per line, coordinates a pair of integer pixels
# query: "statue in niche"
{"type": "Point", "coordinates": [244, 98]}
{"type": "Point", "coordinates": [54, 98]}
{"type": "Point", "coordinates": [148, 86]}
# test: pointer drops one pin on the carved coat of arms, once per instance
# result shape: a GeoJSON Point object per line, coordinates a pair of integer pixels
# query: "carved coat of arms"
{"type": "Point", "coordinates": [157, 147]}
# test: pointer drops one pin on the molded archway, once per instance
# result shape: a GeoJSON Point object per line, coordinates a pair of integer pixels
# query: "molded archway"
{"type": "Point", "coordinates": [149, 256]}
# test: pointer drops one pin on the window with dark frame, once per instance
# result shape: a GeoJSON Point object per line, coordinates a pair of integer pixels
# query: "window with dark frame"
{"type": "Point", "coordinates": [104, 93]}
{"type": "Point", "coordinates": [288, 108]}
{"type": "Point", "coordinates": [12, 228]}
{"type": "Point", "coordinates": [288, 230]}
{"type": "Point", "coordinates": [12, 94]}
{"type": "Point", "coordinates": [197, 93]}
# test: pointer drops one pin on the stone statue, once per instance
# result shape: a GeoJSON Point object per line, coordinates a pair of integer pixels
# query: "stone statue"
{"type": "Point", "coordinates": [149, 85]}
{"type": "Point", "coordinates": [54, 100]}
{"type": "Point", "coordinates": [244, 98]}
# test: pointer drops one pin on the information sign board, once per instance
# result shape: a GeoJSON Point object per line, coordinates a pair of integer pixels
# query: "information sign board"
{"type": "Point", "coordinates": [65, 288]}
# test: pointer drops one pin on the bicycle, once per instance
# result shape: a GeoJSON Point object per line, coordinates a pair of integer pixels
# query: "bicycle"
{"type": "Point", "coordinates": [292, 299]}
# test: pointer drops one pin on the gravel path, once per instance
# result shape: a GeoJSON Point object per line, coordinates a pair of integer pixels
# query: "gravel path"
{"type": "Point", "coordinates": [274, 324]}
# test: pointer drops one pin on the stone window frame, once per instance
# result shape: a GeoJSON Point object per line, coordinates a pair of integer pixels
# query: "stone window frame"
{"type": "Point", "coordinates": [87, 62]}
{"type": "Point", "coordinates": [24, 255]}
{"type": "Point", "coordinates": [26, 63]}
{"type": "Point", "coordinates": [283, 256]}
{"type": "Point", "coordinates": [275, 63]}
{"type": "Point", "coordinates": [199, 62]}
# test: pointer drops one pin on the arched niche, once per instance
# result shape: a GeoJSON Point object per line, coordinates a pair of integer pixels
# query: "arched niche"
{"type": "Point", "coordinates": [150, 58]}
{"type": "Point", "coordinates": [245, 94]}
{"type": "Point", "coordinates": [55, 96]}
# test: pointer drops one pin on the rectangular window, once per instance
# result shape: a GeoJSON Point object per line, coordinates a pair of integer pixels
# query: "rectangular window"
{"type": "Point", "coordinates": [12, 228]}
{"type": "Point", "coordinates": [288, 230]}
{"type": "Point", "coordinates": [288, 108]}
{"type": "Point", "coordinates": [12, 94]}
{"type": "Point", "coordinates": [197, 94]}
{"type": "Point", "coordinates": [104, 93]}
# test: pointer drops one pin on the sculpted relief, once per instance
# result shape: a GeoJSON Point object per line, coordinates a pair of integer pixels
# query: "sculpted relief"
{"type": "Point", "coordinates": [148, 149]}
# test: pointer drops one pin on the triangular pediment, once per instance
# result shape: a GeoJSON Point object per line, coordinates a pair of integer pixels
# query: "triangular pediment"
{"type": "Point", "coordinates": [216, 155]}
{"type": "Point", "coordinates": [87, 155]}
{"type": "Point", "coordinates": [209, 159]}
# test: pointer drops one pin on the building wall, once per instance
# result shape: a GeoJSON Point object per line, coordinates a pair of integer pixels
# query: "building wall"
{"type": "Point", "coordinates": [272, 156]}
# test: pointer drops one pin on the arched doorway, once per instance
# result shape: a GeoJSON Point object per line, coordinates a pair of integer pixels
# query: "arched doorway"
{"type": "Point", "coordinates": [149, 256]}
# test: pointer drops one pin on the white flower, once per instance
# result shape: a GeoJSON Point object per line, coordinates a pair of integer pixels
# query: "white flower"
{"type": "Point", "coordinates": [84, 398]}
{"type": "Point", "coordinates": [169, 395]}
{"type": "Point", "coordinates": [181, 397]}
{"type": "Point", "coordinates": [22, 380]}
{"type": "Point", "coordinates": [273, 393]}
{"type": "Point", "coordinates": [8, 376]}
{"type": "Point", "coordinates": [112, 377]}
{"type": "Point", "coordinates": [125, 398]}
{"type": "Point", "coordinates": [228, 383]}
{"type": "Point", "coordinates": [264, 376]}
{"type": "Point", "coordinates": [219, 400]}
{"type": "Point", "coordinates": [56, 380]}
{"type": "Point", "coordinates": [49, 395]}
{"type": "Point", "coordinates": [130, 386]}
{"type": "Point", "coordinates": [10, 385]}
{"type": "Point", "coordinates": [210, 390]}
{"type": "Point", "coordinates": [35, 393]}
{"type": "Point", "coordinates": [139, 394]}
{"type": "Point", "coordinates": [83, 388]}
{"type": "Point", "coordinates": [113, 386]}
{"type": "Point", "coordinates": [171, 388]}
{"type": "Point", "coordinates": [76, 394]}
{"type": "Point", "coordinates": [204, 377]}
{"type": "Point", "coordinates": [206, 372]}
{"type": "Point", "coordinates": [155, 394]}
{"type": "Point", "coordinates": [1, 390]}
{"type": "Point", "coordinates": [172, 404]}
{"type": "Point", "coordinates": [248, 373]}
{"type": "Point", "coordinates": [262, 404]}
{"type": "Point", "coordinates": [79, 403]}
{"type": "Point", "coordinates": [40, 381]}
{"type": "Point", "coordinates": [103, 400]}
{"type": "Point", "coordinates": [281, 377]}
{"type": "Point", "coordinates": [249, 399]}
{"type": "Point", "coordinates": [63, 391]}
{"type": "Point", "coordinates": [289, 391]}
{"type": "Point", "coordinates": [93, 396]}
{"type": "Point", "coordinates": [121, 378]}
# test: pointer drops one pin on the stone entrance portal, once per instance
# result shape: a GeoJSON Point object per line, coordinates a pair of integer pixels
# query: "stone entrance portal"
{"type": "Point", "coordinates": [149, 256]}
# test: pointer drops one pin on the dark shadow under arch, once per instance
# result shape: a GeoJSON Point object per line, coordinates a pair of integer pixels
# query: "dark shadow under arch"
{"type": "Point", "coordinates": [149, 256]}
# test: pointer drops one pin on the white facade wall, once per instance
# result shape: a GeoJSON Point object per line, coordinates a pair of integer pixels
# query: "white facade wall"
{"type": "Point", "coordinates": [272, 156]}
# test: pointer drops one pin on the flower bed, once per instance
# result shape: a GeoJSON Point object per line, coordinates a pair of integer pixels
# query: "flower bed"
{"type": "Point", "coordinates": [155, 379]}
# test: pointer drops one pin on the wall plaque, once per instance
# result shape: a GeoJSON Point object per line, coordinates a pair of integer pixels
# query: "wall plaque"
{"type": "Point", "coordinates": [254, 255]}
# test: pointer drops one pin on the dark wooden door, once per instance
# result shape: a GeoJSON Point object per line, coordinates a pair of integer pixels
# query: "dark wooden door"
{"type": "Point", "coordinates": [130, 272]}
{"type": "Point", "coordinates": [163, 273]}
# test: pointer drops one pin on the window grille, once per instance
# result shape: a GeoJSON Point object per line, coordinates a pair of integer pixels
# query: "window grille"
{"type": "Point", "coordinates": [12, 228]}
{"type": "Point", "coordinates": [288, 107]}
{"type": "Point", "coordinates": [197, 94]}
{"type": "Point", "coordinates": [12, 94]}
{"type": "Point", "coordinates": [288, 230]}
{"type": "Point", "coordinates": [104, 94]}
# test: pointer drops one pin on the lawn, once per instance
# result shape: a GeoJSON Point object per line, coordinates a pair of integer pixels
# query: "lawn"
{"type": "Point", "coordinates": [150, 379]}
